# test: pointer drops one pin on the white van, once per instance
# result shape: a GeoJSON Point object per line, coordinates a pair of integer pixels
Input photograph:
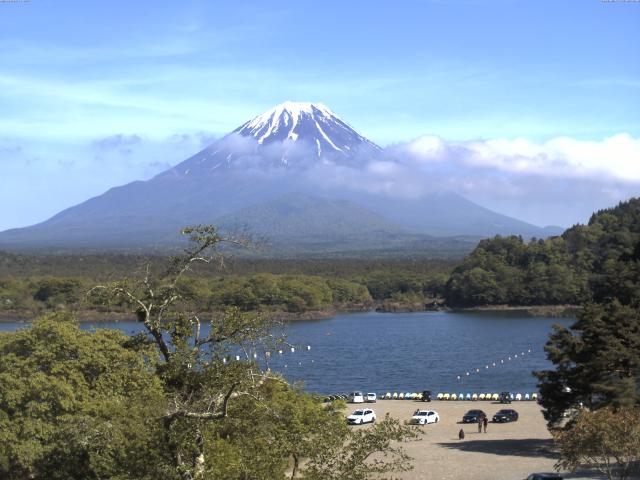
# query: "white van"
{"type": "Point", "coordinates": [356, 397]}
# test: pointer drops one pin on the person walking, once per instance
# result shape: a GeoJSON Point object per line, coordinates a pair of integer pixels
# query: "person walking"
{"type": "Point", "coordinates": [485, 421]}
{"type": "Point", "coordinates": [461, 434]}
{"type": "Point", "coordinates": [479, 423]}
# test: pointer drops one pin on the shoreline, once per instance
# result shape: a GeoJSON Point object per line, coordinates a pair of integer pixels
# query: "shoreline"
{"type": "Point", "coordinates": [553, 311]}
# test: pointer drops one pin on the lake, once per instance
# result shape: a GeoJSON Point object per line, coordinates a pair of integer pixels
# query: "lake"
{"type": "Point", "coordinates": [382, 352]}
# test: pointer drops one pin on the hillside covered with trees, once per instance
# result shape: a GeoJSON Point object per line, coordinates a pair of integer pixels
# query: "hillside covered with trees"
{"type": "Point", "coordinates": [582, 264]}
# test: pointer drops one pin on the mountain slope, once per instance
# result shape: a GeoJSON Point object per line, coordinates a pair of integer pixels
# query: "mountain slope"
{"type": "Point", "coordinates": [450, 214]}
{"type": "Point", "coordinates": [299, 217]}
{"type": "Point", "coordinates": [244, 178]}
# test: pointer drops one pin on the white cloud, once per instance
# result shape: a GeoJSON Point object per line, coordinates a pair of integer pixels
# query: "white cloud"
{"type": "Point", "coordinates": [559, 181]}
{"type": "Point", "coordinates": [616, 157]}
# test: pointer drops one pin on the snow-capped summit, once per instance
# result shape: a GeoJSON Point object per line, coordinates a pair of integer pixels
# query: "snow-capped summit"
{"type": "Point", "coordinates": [290, 135]}
{"type": "Point", "coordinates": [312, 123]}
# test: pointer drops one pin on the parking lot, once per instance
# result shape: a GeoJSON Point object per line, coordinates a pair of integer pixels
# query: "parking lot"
{"type": "Point", "coordinates": [507, 451]}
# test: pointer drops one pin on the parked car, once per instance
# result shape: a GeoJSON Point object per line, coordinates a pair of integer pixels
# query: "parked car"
{"type": "Point", "coordinates": [371, 398]}
{"type": "Point", "coordinates": [506, 415]}
{"type": "Point", "coordinates": [361, 416]}
{"type": "Point", "coordinates": [356, 397]}
{"type": "Point", "coordinates": [505, 397]}
{"type": "Point", "coordinates": [426, 395]}
{"type": "Point", "coordinates": [544, 476]}
{"type": "Point", "coordinates": [422, 417]}
{"type": "Point", "coordinates": [472, 416]}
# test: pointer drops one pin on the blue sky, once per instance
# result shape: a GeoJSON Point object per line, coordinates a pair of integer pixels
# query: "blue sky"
{"type": "Point", "coordinates": [96, 94]}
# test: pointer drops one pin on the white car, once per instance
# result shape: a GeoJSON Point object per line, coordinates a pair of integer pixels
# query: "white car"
{"type": "Point", "coordinates": [356, 397]}
{"type": "Point", "coordinates": [359, 417]}
{"type": "Point", "coordinates": [422, 417]}
{"type": "Point", "coordinates": [371, 398]}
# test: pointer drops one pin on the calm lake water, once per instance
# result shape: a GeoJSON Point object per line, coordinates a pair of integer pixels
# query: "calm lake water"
{"type": "Point", "coordinates": [380, 352]}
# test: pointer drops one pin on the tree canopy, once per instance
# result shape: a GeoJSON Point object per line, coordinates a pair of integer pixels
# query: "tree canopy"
{"type": "Point", "coordinates": [584, 263]}
{"type": "Point", "coordinates": [591, 398]}
{"type": "Point", "coordinates": [606, 439]}
{"type": "Point", "coordinates": [76, 404]}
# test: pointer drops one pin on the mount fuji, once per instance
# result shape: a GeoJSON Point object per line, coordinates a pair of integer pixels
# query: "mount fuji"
{"type": "Point", "coordinates": [290, 135]}
{"type": "Point", "coordinates": [293, 176]}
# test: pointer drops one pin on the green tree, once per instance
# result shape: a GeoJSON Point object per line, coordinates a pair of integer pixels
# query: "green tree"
{"type": "Point", "coordinates": [266, 438]}
{"type": "Point", "coordinates": [597, 361]}
{"type": "Point", "coordinates": [365, 453]}
{"type": "Point", "coordinates": [58, 291]}
{"type": "Point", "coordinates": [77, 405]}
{"type": "Point", "coordinates": [606, 440]}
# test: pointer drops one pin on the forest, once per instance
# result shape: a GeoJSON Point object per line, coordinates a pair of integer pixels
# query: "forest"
{"type": "Point", "coordinates": [584, 263]}
{"type": "Point", "coordinates": [566, 270]}
{"type": "Point", "coordinates": [30, 285]}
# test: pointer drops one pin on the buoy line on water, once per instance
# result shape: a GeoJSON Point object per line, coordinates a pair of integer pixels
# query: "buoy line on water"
{"type": "Point", "coordinates": [494, 364]}
{"type": "Point", "coordinates": [266, 355]}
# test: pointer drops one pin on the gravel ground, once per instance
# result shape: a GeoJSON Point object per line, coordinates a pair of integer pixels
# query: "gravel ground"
{"type": "Point", "coordinates": [508, 451]}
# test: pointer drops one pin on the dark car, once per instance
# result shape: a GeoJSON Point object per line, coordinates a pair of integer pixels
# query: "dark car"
{"type": "Point", "coordinates": [505, 397]}
{"type": "Point", "coordinates": [506, 415]}
{"type": "Point", "coordinates": [426, 395]}
{"type": "Point", "coordinates": [544, 476]}
{"type": "Point", "coordinates": [472, 416]}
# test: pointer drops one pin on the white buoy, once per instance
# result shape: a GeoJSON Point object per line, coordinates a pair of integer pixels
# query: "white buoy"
{"type": "Point", "coordinates": [308, 347]}
{"type": "Point", "coordinates": [477, 370]}
{"type": "Point", "coordinates": [486, 366]}
{"type": "Point", "coordinates": [494, 364]}
{"type": "Point", "coordinates": [458, 377]}
{"type": "Point", "coordinates": [501, 361]}
{"type": "Point", "coordinates": [467, 374]}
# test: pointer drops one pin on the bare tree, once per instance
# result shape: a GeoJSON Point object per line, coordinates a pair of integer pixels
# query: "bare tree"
{"type": "Point", "coordinates": [194, 347]}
